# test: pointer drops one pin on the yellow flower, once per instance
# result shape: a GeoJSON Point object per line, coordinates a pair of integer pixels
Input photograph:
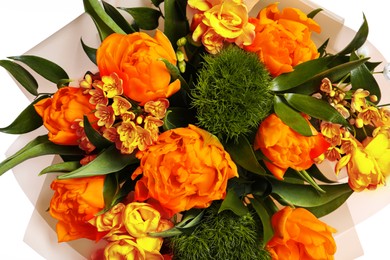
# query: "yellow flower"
{"type": "Point", "coordinates": [126, 249]}
{"type": "Point", "coordinates": [157, 108]}
{"type": "Point", "coordinates": [368, 115]}
{"type": "Point", "coordinates": [359, 99]}
{"type": "Point", "coordinates": [105, 114]}
{"type": "Point", "coordinates": [120, 105]}
{"type": "Point", "coordinates": [112, 85]}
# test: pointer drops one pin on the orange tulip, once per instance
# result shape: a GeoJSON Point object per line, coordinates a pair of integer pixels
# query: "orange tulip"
{"type": "Point", "coordinates": [75, 201]}
{"type": "Point", "coordinates": [283, 39]}
{"type": "Point", "coordinates": [60, 112]}
{"type": "Point", "coordinates": [136, 59]}
{"type": "Point", "coordinates": [186, 168]}
{"type": "Point", "coordinates": [300, 235]}
{"type": "Point", "coordinates": [286, 148]}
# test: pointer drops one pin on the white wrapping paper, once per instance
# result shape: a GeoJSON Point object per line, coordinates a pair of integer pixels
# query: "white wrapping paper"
{"type": "Point", "coordinates": [28, 230]}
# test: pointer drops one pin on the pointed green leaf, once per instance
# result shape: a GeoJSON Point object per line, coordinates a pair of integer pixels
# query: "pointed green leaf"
{"type": "Point", "coordinates": [146, 18]}
{"type": "Point", "coordinates": [104, 23]}
{"type": "Point", "coordinates": [291, 117]}
{"type": "Point", "coordinates": [361, 77]}
{"type": "Point", "coordinates": [317, 174]}
{"type": "Point", "coordinates": [314, 13]}
{"type": "Point", "coordinates": [110, 189]}
{"type": "Point", "coordinates": [299, 77]}
{"type": "Point", "coordinates": [175, 23]}
{"type": "Point", "coordinates": [94, 136]}
{"type": "Point", "coordinates": [91, 52]}
{"type": "Point", "coordinates": [21, 75]}
{"type": "Point", "coordinates": [46, 68]}
{"type": "Point", "coordinates": [157, 3]}
{"type": "Point", "coordinates": [316, 108]}
{"type": "Point", "coordinates": [306, 177]}
{"type": "Point", "coordinates": [265, 218]}
{"type": "Point", "coordinates": [359, 39]}
{"type": "Point", "coordinates": [27, 121]}
{"type": "Point", "coordinates": [329, 207]}
{"type": "Point", "coordinates": [37, 147]}
{"type": "Point", "coordinates": [233, 202]}
{"type": "Point", "coordinates": [108, 161]}
{"type": "Point", "coordinates": [118, 18]}
{"type": "Point", "coordinates": [303, 195]}
{"type": "Point", "coordinates": [242, 153]}
{"type": "Point", "coordinates": [61, 167]}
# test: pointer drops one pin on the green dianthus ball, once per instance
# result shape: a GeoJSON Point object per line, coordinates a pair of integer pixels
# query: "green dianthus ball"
{"type": "Point", "coordinates": [232, 93]}
{"type": "Point", "coordinates": [221, 236]}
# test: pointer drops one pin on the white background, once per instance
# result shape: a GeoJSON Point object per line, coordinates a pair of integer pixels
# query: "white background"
{"type": "Point", "coordinates": [25, 23]}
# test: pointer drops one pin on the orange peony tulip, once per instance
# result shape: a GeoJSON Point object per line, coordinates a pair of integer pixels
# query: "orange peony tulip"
{"type": "Point", "coordinates": [286, 148]}
{"type": "Point", "coordinates": [75, 201]}
{"type": "Point", "coordinates": [135, 58]}
{"type": "Point", "coordinates": [186, 168]}
{"type": "Point", "coordinates": [60, 112]}
{"type": "Point", "coordinates": [300, 235]}
{"type": "Point", "coordinates": [283, 39]}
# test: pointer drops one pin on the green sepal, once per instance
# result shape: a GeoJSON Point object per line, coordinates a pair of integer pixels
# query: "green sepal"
{"type": "Point", "coordinates": [361, 77]}
{"type": "Point", "coordinates": [316, 108]}
{"type": "Point", "coordinates": [242, 153]}
{"type": "Point", "coordinates": [37, 147]}
{"type": "Point", "coordinates": [103, 22]}
{"type": "Point", "coordinates": [291, 117]}
{"type": "Point", "coordinates": [177, 117]}
{"type": "Point", "coordinates": [46, 68]}
{"type": "Point", "coordinates": [303, 195]}
{"type": "Point", "coordinates": [175, 23]}
{"type": "Point", "coordinates": [21, 75]}
{"type": "Point", "coordinates": [118, 18]}
{"type": "Point", "coordinates": [175, 74]}
{"type": "Point", "coordinates": [359, 39]}
{"type": "Point", "coordinates": [108, 161]}
{"type": "Point", "coordinates": [27, 121]}
{"type": "Point", "coordinates": [233, 202]}
{"type": "Point", "coordinates": [146, 18]}
{"type": "Point", "coordinates": [89, 51]}
{"type": "Point", "coordinates": [94, 136]}
{"type": "Point", "coordinates": [317, 68]}
{"type": "Point", "coordinates": [61, 167]}
{"type": "Point", "coordinates": [265, 218]}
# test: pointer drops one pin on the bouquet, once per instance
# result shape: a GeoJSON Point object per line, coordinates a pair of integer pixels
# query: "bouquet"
{"type": "Point", "coordinates": [203, 138]}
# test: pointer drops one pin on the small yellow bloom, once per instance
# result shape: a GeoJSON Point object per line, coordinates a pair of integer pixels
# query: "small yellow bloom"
{"type": "Point", "coordinates": [112, 85]}
{"type": "Point", "coordinates": [359, 99]}
{"type": "Point", "coordinates": [120, 105]}
{"type": "Point", "coordinates": [157, 108]}
{"type": "Point", "coordinates": [126, 249]}
{"type": "Point", "coordinates": [369, 115]}
{"type": "Point", "coordinates": [105, 114]}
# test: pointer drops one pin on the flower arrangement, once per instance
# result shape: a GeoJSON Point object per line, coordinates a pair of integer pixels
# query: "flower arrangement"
{"type": "Point", "coordinates": [204, 140]}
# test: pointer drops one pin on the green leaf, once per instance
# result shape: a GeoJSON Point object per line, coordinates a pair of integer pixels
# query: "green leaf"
{"type": "Point", "coordinates": [175, 24]}
{"type": "Point", "coordinates": [175, 74]}
{"type": "Point", "coordinates": [37, 147]}
{"type": "Point", "coordinates": [303, 195]}
{"type": "Point", "coordinates": [265, 218]}
{"type": "Point", "coordinates": [359, 39]}
{"type": "Point", "coordinates": [21, 75]}
{"type": "Point", "coordinates": [291, 117]}
{"type": "Point", "coordinates": [306, 177]}
{"type": "Point", "coordinates": [108, 161]}
{"type": "Point", "coordinates": [177, 117]}
{"type": "Point", "coordinates": [242, 153]}
{"type": "Point", "coordinates": [317, 68]}
{"type": "Point", "coordinates": [146, 18]}
{"type": "Point", "coordinates": [91, 52]}
{"type": "Point", "coordinates": [329, 207]}
{"type": "Point", "coordinates": [233, 202]}
{"type": "Point", "coordinates": [27, 121]}
{"type": "Point", "coordinates": [314, 13]}
{"type": "Point", "coordinates": [317, 174]}
{"type": "Point", "coordinates": [46, 68]}
{"type": "Point", "coordinates": [316, 108]}
{"type": "Point", "coordinates": [118, 18]}
{"type": "Point", "coordinates": [94, 136]}
{"type": "Point", "coordinates": [361, 77]}
{"type": "Point", "coordinates": [110, 189]}
{"type": "Point", "coordinates": [104, 23]}
{"type": "Point", "coordinates": [61, 167]}
{"type": "Point", "coordinates": [157, 3]}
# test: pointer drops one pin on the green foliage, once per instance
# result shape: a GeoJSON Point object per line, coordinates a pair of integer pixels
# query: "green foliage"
{"type": "Point", "coordinates": [223, 236]}
{"type": "Point", "coordinates": [232, 94]}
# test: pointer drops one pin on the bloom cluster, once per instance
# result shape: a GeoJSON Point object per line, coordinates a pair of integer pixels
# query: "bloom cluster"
{"type": "Point", "coordinates": [154, 141]}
